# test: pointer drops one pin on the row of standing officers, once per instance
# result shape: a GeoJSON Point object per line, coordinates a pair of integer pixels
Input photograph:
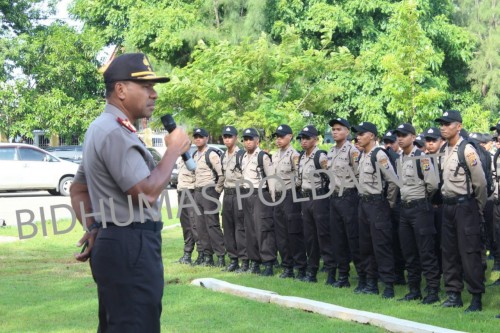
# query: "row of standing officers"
{"type": "Point", "coordinates": [385, 225]}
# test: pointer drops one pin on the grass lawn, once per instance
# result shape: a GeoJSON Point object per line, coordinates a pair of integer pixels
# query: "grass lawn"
{"type": "Point", "coordinates": [43, 289]}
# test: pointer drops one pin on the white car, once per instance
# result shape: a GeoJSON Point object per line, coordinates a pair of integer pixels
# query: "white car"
{"type": "Point", "coordinates": [26, 168]}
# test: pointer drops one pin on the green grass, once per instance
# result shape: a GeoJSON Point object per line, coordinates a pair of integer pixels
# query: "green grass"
{"type": "Point", "coordinates": [43, 289]}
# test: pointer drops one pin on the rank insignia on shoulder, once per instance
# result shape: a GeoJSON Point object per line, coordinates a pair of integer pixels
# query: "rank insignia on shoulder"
{"type": "Point", "coordinates": [127, 124]}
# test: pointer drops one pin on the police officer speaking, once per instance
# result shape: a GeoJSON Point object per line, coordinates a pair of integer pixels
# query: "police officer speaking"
{"type": "Point", "coordinates": [126, 252]}
{"type": "Point", "coordinates": [464, 197]}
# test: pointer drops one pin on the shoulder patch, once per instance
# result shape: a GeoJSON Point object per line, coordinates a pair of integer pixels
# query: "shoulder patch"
{"type": "Point", "coordinates": [472, 159]}
{"type": "Point", "coordinates": [324, 163]}
{"type": "Point", "coordinates": [384, 162]}
{"type": "Point", "coordinates": [355, 155]}
{"type": "Point", "coordinates": [425, 163]}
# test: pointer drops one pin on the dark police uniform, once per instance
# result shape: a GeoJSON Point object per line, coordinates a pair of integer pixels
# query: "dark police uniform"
{"type": "Point", "coordinates": [315, 214]}
{"type": "Point", "coordinates": [495, 232]}
{"type": "Point", "coordinates": [258, 216]}
{"type": "Point", "coordinates": [375, 226]}
{"type": "Point", "coordinates": [208, 225]}
{"type": "Point", "coordinates": [344, 208]}
{"type": "Point", "coordinates": [126, 261]}
{"type": "Point", "coordinates": [416, 225]}
{"type": "Point", "coordinates": [186, 180]}
{"type": "Point", "coordinates": [232, 217]}
{"type": "Point", "coordinates": [287, 214]}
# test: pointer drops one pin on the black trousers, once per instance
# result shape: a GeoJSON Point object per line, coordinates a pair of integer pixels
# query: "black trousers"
{"type": "Point", "coordinates": [208, 225]}
{"type": "Point", "coordinates": [234, 228]}
{"type": "Point", "coordinates": [461, 244]}
{"type": "Point", "coordinates": [345, 232]}
{"type": "Point", "coordinates": [290, 233]}
{"type": "Point", "coordinates": [259, 228]}
{"type": "Point", "coordinates": [399, 261]}
{"type": "Point", "coordinates": [315, 214]}
{"type": "Point", "coordinates": [375, 239]}
{"type": "Point", "coordinates": [496, 232]}
{"type": "Point", "coordinates": [188, 224]}
{"type": "Point", "coordinates": [438, 223]}
{"type": "Point", "coordinates": [416, 233]}
{"type": "Point", "coordinates": [127, 267]}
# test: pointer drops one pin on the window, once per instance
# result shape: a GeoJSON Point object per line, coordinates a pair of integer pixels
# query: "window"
{"type": "Point", "coordinates": [28, 154]}
{"type": "Point", "coordinates": [7, 154]}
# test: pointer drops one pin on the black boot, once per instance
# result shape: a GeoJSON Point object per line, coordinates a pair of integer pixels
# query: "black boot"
{"type": "Point", "coordinates": [414, 293]}
{"type": "Point", "coordinates": [330, 279]}
{"type": "Point", "coordinates": [361, 285]}
{"type": "Point", "coordinates": [400, 279]}
{"type": "Point", "coordinates": [475, 304]}
{"type": "Point", "coordinates": [454, 300]}
{"type": "Point", "coordinates": [245, 266]}
{"type": "Point", "coordinates": [310, 277]}
{"type": "Point", "coordinates": [432, 296]}
{"type": "Point", "coordinates": [287, 273]}
{"type": "Point", "coordinates": [268, 269]}
{"type": "Point", "coordinates": [233, 265]}
{"type": "Point", "coordinates": [199, 260]}
{"type": "Point", "coordinates": [186, 258]}
{"type": "Point", "coordinates": [342, 282]}
{"type": "Point", "coordinates": [388, 291]}
{"type": "Point", "coordinates": [301, 274]}
{"type": "Point", "coordinates": [276, 263]}
{"type": "Point", "coordinates": [221, 261]}
{"type": "Point", "coordinates": [255, 267]}
{"type": "Point", "coordinates": [208, 260]}
{"type": "Point", "coordinates": [371, 287]}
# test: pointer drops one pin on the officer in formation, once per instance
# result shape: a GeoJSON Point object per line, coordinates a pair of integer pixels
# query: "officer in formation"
{"type": "Point", "coordinates": [374, 212]}
{"type": "Point", "coordinates": [343, 164]}
{"type": "Point", "coordinates": [288, 214]}
{"type": "Point", "coordinates": [417, 230]}
{"type": "Point", "coordinates": [496, 208]}
{"type": "Point", "coordinates": [440, 209]}
{"type": "Point", "coordinates": [315, 206]}
{"type": "Point", "coordinates": [185, 196]}
{"type": "Point", "coordinates": [208, 177]}
{"type": "Point", "coordinates": [232, 216]}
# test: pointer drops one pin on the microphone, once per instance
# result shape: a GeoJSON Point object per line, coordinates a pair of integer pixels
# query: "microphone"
{"type": "Point", "coordinates": [169, 124]}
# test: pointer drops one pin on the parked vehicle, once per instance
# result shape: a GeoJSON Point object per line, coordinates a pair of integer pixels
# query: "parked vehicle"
{"type": "Point", "coordinates": [68, 153]}
{"type": "Point", "coordinates": [27, 168]}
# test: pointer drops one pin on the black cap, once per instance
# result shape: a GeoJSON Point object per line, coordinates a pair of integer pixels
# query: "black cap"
{"type": "Point", "coordinates": [340, 121]}
{"type": "Point", "coordinates": [131, 67]}
{"type": "Point", "coordinates": [230, 130]}
{"type": "Point", "coordinates": [200, 131]}
{"type": "Point", "coordinates": [432, 133]}
{"type": "Point", "coordinates": [365, 127]}
{"type": "Point", "coordinates": [308, 131]}
{"type": "Point", "coordinates": [480, 137]}
{"type": "Point", "coordinates": [406, 128]}
{"type": "Point", "coordinates": [390, 135]}
{"type": "Point", "coordinates": [251, 133]}
{"type": "Point", "coordinates": [282, 130]}
{"type": "Point", "coordinates": [496, 127]}
{"type": "Point", "coordinates": [419, 141]}
{"type": "Point", "coordinates": [449, 117]}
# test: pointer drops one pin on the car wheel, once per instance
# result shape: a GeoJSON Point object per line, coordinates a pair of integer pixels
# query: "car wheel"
{"type": "Point", "coordinates": [64, 186]}
{"type": "Point", "coordinates": [53, 192]}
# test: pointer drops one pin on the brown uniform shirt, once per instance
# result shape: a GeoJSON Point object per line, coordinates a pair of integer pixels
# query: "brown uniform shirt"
{"type": "Point", "coordinates": [204, 175]}
{"type": "Point", "coordinates": [285, 167]}
{"type": "Point", "coordinates": [249, 168]}
{"type": "Point", "coordinates": [413, 187]}
{"type": "Point", "coordinates": [231, 173]}
{"type": "Point", "coordinates": [340, 160]}
{"type": "Point", "coordinates": [457, 185]}
{"type": "Point", "coordinates": [306, 165]}
{"type": "Point", "coordinates": [369, 180]}
{"type": "Point", "coordinates": [185, 179]}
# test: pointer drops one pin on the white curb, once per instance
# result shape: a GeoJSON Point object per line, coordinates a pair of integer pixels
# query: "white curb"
{"type": "Point", "coordinates": [389, 323]}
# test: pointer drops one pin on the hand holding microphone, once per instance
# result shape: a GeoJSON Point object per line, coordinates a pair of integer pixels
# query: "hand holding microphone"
{"type": "Point", "coordinates": [170, 125]}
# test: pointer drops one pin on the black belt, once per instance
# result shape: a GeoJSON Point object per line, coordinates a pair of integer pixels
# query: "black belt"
{"type": "Point", "coordinates": [255, 191]}
{"type": "Point", "coordinates": [456, 200]}
{"type": "Point", "coordinates": [413, 203]}
{"type": "Point", "coordinates": [371, 197]}
{"type": "Point", "coordinates": [229, 190]}
{"type": "Point", "coordinates": [147, 225]}
{"type": "Point", "coordinates": [198, 189]}
{"type": "Point", "coordinates": [309, 193]}
{"type": "Point", "coordinates": [186, 189]}
{"type": "Point", "coordinates": [279, 194]}
{"type": "Point", "coordinates": [345, 192]}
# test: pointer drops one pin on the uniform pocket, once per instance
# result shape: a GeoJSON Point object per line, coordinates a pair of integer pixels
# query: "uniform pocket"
{"type": "Point", "coordinates": [472, 239]}
{"type": "Point", "coordinates": [134, 248]}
